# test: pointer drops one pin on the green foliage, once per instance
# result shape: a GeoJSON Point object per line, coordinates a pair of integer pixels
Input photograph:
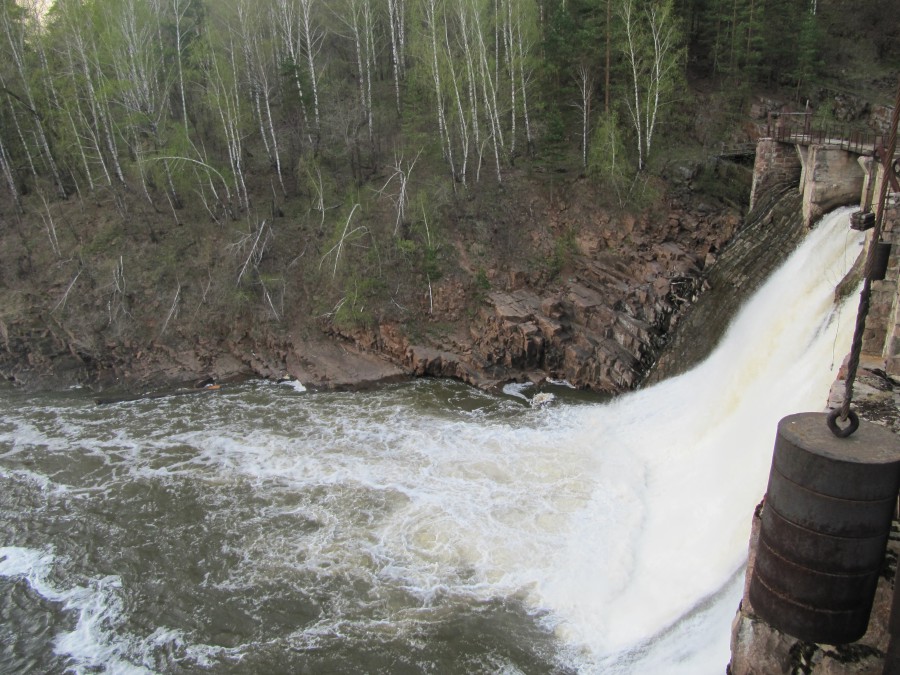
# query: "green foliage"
{"type": "Point", "coordinates": [355, 310]}
{"type": "Point", "coordinates": [808, 60]}
{"type": "Point", "coordinates": [653, 49]}
{"type": "Point", "coordinates": [108, 239]}
{"type": "Point", "coordinates": [753, 40]}
{"type": "Point", "coordinates": [728, 182]}
{"type": "Point", "coordinates": [608, 161]}
{"type": "Point", "coordinates": [565, 248]}
{"type": "Point", "coordinates": [184, 100]}
{"type": "Point", "coordinates": [728, 31]}
{"type": "Point", "coordinates": [431, 262]}
{"type": "Point", "coordinates": [423, 248]}
{"type": "Point", "coordinates": [407, 248]}
{"type": "Point", "coordinates": [555, 130]}
{"type": "Point", "coordinates": [482, 283]}
{"type": "Point", "coordinates": [559, 47]}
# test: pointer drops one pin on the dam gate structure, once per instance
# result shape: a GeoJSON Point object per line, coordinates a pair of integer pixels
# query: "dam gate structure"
{"type": "Point", "coordinates": [834, 167]}
{"type": "Point", "coordinates": [809, 578]}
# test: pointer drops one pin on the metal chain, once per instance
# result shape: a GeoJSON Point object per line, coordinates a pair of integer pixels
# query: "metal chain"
{"type": "Point", "coordinates": [844, 411]}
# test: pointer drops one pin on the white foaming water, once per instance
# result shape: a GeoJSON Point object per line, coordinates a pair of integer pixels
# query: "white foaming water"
{"type": "Point", "coordinates": [516, 389]}
{"type": "Point", "coordinates": [296, 385]}
{"type": "Point", "coordinates": [92, 643]}
{"type": "Point", "coordinates": [623, 527]}
{"type": "Point", "coordinates": [693, 456]}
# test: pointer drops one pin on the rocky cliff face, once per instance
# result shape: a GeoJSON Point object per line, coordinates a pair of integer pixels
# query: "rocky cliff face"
{"type": "Point", "coordinates": [600, 325]}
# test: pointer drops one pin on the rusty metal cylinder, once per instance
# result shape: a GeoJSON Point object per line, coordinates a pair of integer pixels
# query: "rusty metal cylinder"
{"type": "Point", "coordinates": [880, 260]}
{"type": "Point", "coordinates": [825, 524]}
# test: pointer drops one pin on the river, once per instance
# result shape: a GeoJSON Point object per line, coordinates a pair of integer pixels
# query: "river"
{"type": "Point", "coordinates": [425, 527]}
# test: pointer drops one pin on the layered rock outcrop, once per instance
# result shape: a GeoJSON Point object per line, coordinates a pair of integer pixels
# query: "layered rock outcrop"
{"type": "Point", "coordinates": [545, 285]}
{"type": "Point", "coordinates": [599, 325]}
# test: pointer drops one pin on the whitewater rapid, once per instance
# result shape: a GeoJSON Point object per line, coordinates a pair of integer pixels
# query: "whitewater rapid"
{"type": "Point", "coordinates": [696, 472]}
{"type": "Point", "coordinates": [612, 537]}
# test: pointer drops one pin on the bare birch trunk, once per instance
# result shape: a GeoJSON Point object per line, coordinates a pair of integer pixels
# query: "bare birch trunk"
{"type": "Point", "coordinates": [395, 30]}
{"type": "Point", "coordinates": [312, 42]}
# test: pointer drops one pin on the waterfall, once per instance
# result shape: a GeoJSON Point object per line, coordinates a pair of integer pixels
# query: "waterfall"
{"type": "Point", "coordinates": [695, 451]}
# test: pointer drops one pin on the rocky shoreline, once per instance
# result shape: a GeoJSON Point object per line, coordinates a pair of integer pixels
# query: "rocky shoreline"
{"type": "Point", "coordinates": [599, 321]}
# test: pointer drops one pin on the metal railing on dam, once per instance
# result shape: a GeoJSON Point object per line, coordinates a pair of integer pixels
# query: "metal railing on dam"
{"type": "Point", "coordinates": [798, 128]}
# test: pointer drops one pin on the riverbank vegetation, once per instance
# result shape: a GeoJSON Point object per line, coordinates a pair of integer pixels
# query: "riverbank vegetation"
{"type": "Point", "coordinates": [169, 164]}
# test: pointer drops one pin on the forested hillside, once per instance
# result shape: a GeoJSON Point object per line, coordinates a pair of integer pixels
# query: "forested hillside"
{"type": "Point", "coordinates": [173, 168]}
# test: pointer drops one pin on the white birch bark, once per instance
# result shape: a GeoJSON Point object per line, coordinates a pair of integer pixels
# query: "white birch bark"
{"type": "Point", "coordinates": [651, 52]}
{"type": "Point", "coordinates": [521, 53]}
{"type": "Point", "coordinates": [228, 103]}
{"type": "Point", "coordinates": [286, 20]}
{"type": "Point", "coordinates": [460, 111]}
{"type": "Point", "coordinates": [586, 88]}
{"type": "Point", "coordinates": [179, 10]}
{"type": "Point", "coordinates": [395, 24]}
{"type": "Point", "coordinates": [488, 94]}
{"type": "Point", "coordinates": [7, 173]}
{"type": "Point", "coordinates": [635, 62]}
{"type": "Point", "coordinates": [664, 63]}
{"type": "Point", "coordinates": [511, 73]}
{"type": "Point", "coordinates": [431, 20]}
{"type": "Point", "coordinates": [368, 32]}
{"type": "Point", "coordinates": [16, 41]}
{"type": "Point", "coordinates": [471, 77]}
{"type": "Point", "coordinates": [312, 41]}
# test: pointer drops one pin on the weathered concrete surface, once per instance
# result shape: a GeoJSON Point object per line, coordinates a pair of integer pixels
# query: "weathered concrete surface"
{"type": "Point", "coordinates": [776, 164]}
{"type": "Point", "coordinates": [771, 231]}
{"type": "Point", "coordinates": [831, 177]}
{"type": "Point", "coordinates": [882, 334]}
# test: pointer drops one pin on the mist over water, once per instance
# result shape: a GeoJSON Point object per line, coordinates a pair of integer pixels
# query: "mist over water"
{"type": "Point", "coordinates": [424, 527]}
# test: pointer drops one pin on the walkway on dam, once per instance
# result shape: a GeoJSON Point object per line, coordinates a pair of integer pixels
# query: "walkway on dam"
{"type": "Point", "coordinates": [798, 128]}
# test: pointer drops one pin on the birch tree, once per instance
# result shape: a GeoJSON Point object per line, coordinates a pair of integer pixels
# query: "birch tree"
{"type": "Point", "coordinates": [14, 29]}
{"type": "Point", "coordinates": [253, 33]}
{"type": "Point", "coordinates": [8, 174]}
{"type": "Point", "coordinates": [397, 29]}
{"type": "Point", "coordinates": [358, 17]}
{"type": "Point", "coordinates": [312, 38]}
{"type": "Point", "coordinates": [86, 109]}
{"type": "Point", "coordinates": [522, 50]}
{"type": "Point", "coordinates": [225, 98]}
{"type": "Point", "coordinates": [290, 49]}
{"type": "Point", "coordinates": [182, 12]}
{"type": "Point", "coordinates": [488, 89]}
{"type": "Point", "coordinates": [653, 54]}
{"type": "Point", "coordinates": [585, 82]}
{"type": "Point", "coordinates": [432, 19]}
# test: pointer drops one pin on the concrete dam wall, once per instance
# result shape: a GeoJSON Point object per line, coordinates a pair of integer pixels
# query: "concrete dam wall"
{"type": "Point", "coordinates": [770, 233]}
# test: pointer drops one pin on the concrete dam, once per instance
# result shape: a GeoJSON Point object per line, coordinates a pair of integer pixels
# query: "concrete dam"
{"type": "Point", "coordinates": [797, 178]}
